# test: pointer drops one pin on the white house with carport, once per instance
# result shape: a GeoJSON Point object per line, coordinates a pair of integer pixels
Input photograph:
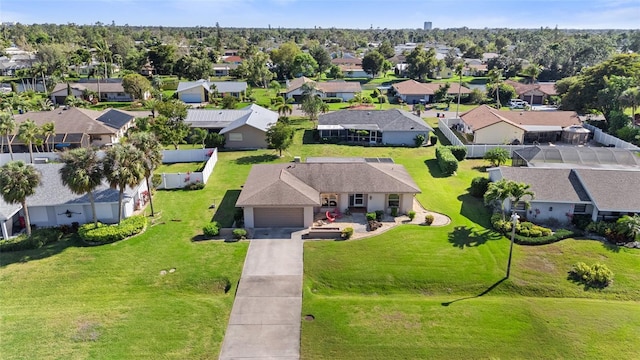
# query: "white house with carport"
{"type": "Point", "coordinates": [53, 204]}
{"type": "Point", "coordinates": [346, 90]}
{"type": "Point", "coordinates": [199, 91]}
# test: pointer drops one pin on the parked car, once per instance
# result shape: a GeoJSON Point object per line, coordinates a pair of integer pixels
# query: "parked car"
{"type": "Point", "coordinates": [518, 104]}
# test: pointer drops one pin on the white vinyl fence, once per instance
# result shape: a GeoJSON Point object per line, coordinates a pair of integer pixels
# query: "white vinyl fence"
{"type": "Point", "coordinates": [474, 151]}
{"type": "Point", "coordinates": [180, 180]}
{"type": "Point", "coordinates": [606, 139]}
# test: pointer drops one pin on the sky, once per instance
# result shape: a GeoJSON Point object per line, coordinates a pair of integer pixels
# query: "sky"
{"type": "Point", "coordinates": [358, 14]}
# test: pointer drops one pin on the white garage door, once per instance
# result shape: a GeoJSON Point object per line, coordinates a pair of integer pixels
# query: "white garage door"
{"type": "Point", "coordinates": [278, 217]}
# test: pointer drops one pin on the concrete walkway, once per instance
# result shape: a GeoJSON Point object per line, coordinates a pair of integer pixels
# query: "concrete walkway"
{"type": "Point", "coordinates": [266, 315]}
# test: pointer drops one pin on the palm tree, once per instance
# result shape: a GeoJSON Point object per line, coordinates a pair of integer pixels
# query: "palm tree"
{"type": "Point", "coordinates": [284, 109]}
{"type": "Point", "coordinates": [82, 173]}
{"type": "Point", "coordinates": [497, 192]}
{"type": "Point", "coordinates": [631, 98]}
{"type": "Point", "coordinates": [49, 132]}
{"type": "Point", "coordinates": [152, 150]}
{"type": "Point", "coordinates": [532, 71]}
{"type": "Point", "coordinates": [495, 78]}
{"type": "Point", "coordinates": [17, 182]}
{"type": "Point", "coordinates": [7, 126]}
{"type": "Point", "coordinates": [459, 69]}
{"type": "Point", "coordinates": [123, 166]}
{"type": "Point", "coordinates": [153, 105]}
{"type": "Point", "coordinates": [45, 104]}
{"type": "Point", "coordinates": [29, 132]}
{"type": "Point", "coordinates": [517, 192]}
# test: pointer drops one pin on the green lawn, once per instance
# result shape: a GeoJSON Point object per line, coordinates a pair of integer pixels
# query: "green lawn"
{"type": "Point", "coordinates": [180, 167]}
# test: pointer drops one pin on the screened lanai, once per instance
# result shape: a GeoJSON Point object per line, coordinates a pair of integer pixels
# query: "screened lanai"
{"type": "Point", "coordinates": [572, 156]}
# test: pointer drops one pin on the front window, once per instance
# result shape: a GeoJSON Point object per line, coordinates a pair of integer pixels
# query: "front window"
{"type": "Point", "coordinates": [329, 200]}
{"type": "Point", "coordinates": [394, 200]}
{"type": "Point", "coordinates": [235, 136]}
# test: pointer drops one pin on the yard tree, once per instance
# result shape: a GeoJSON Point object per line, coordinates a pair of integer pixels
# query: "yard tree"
{"type": "Point", "coordinates": [163, 58]}
{"type": "Point", "coordinates": [48, 130]}
{"type": "Point", "coordinates": [256, 70]}
{"type": "Point", "coordinates": [386, 49]}
{"type": "Point", "coordinates": [322, 58]}
{"type": "Point", "coordinates": [123, 166]}
{"type": "Point", "coordinates": [82, 173]}
{"type": "Point", "coordinates": [283, 58]}
{"type": "Point", "coordinates": [532, 72]}
{"type": "Point", "coordinates": [151, 149]}
{"type": "Point", "coordinates": [280, 136]}
{"type": "Point", "coordinates": [198, 136]}
{"type": "Point", "coordinates": [136, 85]}
{"type": "Point", "coordinates": [312, 106]}
{"type": "Point", "coordinates": [284, 109]}
{"type": "Point", "coordinates": [229, 102]}
{"type": "Point", "coordinates": [630, 98]}
{"type": "Point", "coordinates": [304, 65]}
{"type": "Point", "coordinates": [495, 79]}
{"type": "Point", "coordinates": [335, 72]}
{"type": "Point", "coordinates": [497, 192]}
{"type": "Point", "coordinates": [17, 182]}
{"type": "Point", "coordinates": [103, 52]}
{"type": "Point", "coordinates": [29, 132]}
{"type": "Point", "coordinates": [170, 132]}
{"type": "Point", "coordinates": [372, 63]}
{"type": "Point", "coordinates": [497, 156]}
{"type": "Point", "coordinates": [421, 62]}
{"type": "Point", "coordinates": [7, 126]}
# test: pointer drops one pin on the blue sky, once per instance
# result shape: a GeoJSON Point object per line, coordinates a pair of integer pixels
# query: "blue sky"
{"type": "Point", "coordinates": [575, 14]}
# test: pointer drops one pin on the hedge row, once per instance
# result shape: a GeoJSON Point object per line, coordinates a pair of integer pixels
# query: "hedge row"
{"type": "Point", "coordinates": [38, 239]}
{"type": "Point", "coordinates": [109, 233]}
{"type": "Point", "coordinates": [459, 151]}
{"type": "Point", "coordinates": [558, 235]}
{"type": "Point", "coordinates": [332, 100]}
{"type": "Point", "coordinates": [447, 162]}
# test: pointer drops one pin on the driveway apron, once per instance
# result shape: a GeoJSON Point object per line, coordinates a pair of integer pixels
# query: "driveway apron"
{"type": "Point", "coordinates": [265, 319]}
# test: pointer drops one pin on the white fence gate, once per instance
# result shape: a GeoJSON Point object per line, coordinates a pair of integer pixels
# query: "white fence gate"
{"type": "Point", "coordinates": [180, 180]}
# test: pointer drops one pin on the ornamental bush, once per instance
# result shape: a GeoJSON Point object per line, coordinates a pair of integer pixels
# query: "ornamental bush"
{"type": "Point", "coordinates": [447, 162]}
{"type": "Point", "coordinates": [428, 219]}
{"type": "Point", "coordinates": [347, 233]}
{"type": "Point", "coordinates": [596, 275]}
{"type": "Point", "coordinates": [459, 151]}
{"type": "Point", "coordinates": [38, 239]}
{"type": "Point", "coordinates": [211, 229]}
{"type": "Point", "coordinates": [411, 214]}
{"type": "Point", "coordinates": [479, 186]}
{"type": "Point", "coordinates": [103, 234]}
{"type": "Point", "coordinates": [371, 216]}
{"type": "Point", "coordinates": [239, 234]}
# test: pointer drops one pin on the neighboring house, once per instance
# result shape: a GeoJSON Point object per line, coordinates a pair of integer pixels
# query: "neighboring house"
{"type": "Point", "coordinates": [575, 157]}
{"type": "Point", "coordinates": [354, 71]}
{"type": "Point", "coordinates": [77, 127]}
{"type": "Point", "coordinates": [346, 90]}
{"type": "Point", "coordinates": [534, 94]}
{"type": "Point", "coordinates": [223, 69]}
{"type": "Point", "coordinates": [53, 204]}
{"type": "Point", "coordinates": [14, 60]}
{"type": "Point", "coordinates": [289, 195]}
{"type": "Point", "coordinates": [347, 61]}
{"type": "Point", "coordinates": [147, 70]}
{"type": "Point", "coordinates": [200, 90]}
{"type": "Point", "coordinates": [233, 59]}
{"type": "Point", "coordinates": [604, 194]}
{"type": "Point", "coordinates": [243, 129]}
{"type": "Point", "coordinates": [413, 92]}
{"type": "Point", "coordinates": [109, 90]}
{"type": "Point", "coordinates": [388, 127]}
{"type": "Point", "coordinates": [486, 125]}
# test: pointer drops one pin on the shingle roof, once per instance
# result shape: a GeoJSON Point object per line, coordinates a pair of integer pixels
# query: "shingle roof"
{"type": "Point", "coordinates": [300, 184]}
{"type": "Point", "coordinates": [385, 120]}
{"type": "Point", "coordinates": [72, 120]}
{"type": "Point", "coordinates": [412, 87]}
{"type": "Point", "coordinates": [105, 87]}
{"type": "Point", "coordinates": [612, 190]}
{"type": "Point", "coordinates": [546, 88]}
{"type": "Point", "coordinates": [484, 116]}
{"type": "Point", "coordinates": [339, 87]}
{"type": "Point", "coordinates": [345, 61]}
{"type": "Point", "coordinates": [254, 115]}
{"type": "Point", "coordinates": [115, 118]}
{"type": "Point", "coordinates": [550, 185]}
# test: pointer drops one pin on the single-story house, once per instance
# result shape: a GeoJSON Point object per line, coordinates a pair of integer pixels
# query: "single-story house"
{"type": "Point", "coordinates": [53, 204]}
{"type": "Point", "coordinates": [346, 90]}
{"type": "Point", "coordinates": [534, 94]}
{"type": "Point", "coordinates": [604, 194]}
{"type": "Point", "coordinates": [491, 126]}
{"type": "Point", "coordinates": [389, 127]}
{"type": "Point", "coordinates": [109, 90]}
{"type": "Point", "coordinates": [354, 71]}
{"type": "Point", "coordinates": [288, 195]}
{"type": "Point", "coordinates": [76, 127]}
{"type": "Point", "coordinates": [347, 61]}
{"type": "Point", "coordinates": [575, 157]}
{"type": "Point", "coordinates": [223, 69]}
{"type": "Point", "coordinates": [232, 59]}
{"type": "Point", "coordinates": [243, 129]}
{"type": "Point", "coordinates": [413, 92]}
{"type": "Point", "coordinates": [198, 91]}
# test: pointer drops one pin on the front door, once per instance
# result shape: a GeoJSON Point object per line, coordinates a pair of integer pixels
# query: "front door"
{"type": "Point", "coordinates": [356, 200]}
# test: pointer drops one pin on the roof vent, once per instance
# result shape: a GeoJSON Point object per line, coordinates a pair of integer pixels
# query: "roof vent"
{"type": "Point", "coordinates": [368, 112]}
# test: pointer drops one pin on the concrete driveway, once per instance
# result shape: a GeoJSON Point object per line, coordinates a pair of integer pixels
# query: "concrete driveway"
{"type": "Point", "coordinates": [265, 319]}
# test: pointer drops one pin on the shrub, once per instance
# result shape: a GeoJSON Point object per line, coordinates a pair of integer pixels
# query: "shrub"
{"type": "Point", "coordinates": [534, 233]}
{"type": "Point", "coordinates": [542, 240]}
{"type": "Point", "coordinates": [419, 140]}
{"type": "Point", "coordinates": [459, 151]}
{"type": "Point", "coordinates": [195, 186]}
{"type": "Point", "coordinates": [38, 239]}
{"type": "Point", "coordinates": [596, 275]}
{"type": "Point", "coordinates": [411, 214]}
{"type": "Point", "coordinates": [394, 211]}
{"type": "Point", "coordinates": [525, 233]}
{"type": "Point", "coordinates": [447, 162]}
{"type": "Point", "coordinates": [371, 216]}
{"type": "Point", "coordinates": [428, 219]}
{"type": "Point", "coordinates": [433, 139]}
{"type": "Point", "coordinates": [479, 186]}
{"type": "Point", "coordinates": [332, 100]}
{"type": "Point", "coordinates": [379, 214]}
{"type": "Point", "coordinates": [238, 217]}
{"type": "Point", "coordinates": [581, 221]}
{"type": "Point", "coordinates": [104, 234]}
{"type": "Point", "coordinates": [497, 156]}
{"type": "Point", "coordinates": [347, 233]}
{"type": "Point", "coordinates": [211, 229]}
{"type": "Point", "coordinates": [239, 234]}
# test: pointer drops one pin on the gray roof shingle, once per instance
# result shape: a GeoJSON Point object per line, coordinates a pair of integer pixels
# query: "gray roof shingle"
{"type": "Point", "coordinates": [385, 120]}
{"type": "Point", "coordinates": [612, 190]}
{"type": "Point", "coordinates": [550, 185]}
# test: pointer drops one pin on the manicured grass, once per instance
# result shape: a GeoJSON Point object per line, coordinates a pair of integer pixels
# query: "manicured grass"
{"type": "Point", "coordinates": [180, 167]}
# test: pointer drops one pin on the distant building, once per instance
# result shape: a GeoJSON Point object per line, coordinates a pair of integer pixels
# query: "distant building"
{"type": "Point", "coordinates": [427, 25]}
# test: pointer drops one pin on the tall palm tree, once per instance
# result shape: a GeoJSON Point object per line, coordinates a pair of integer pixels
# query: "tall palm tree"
{"type": "Point", "coordinates": [49, 133]}
{"type": "Point", "coordinates": [82, 173]}
{"type": "Point", "coordinates": [7, 126]}
{"type": "Point", "coordinates": [459, 70]}
{"type": "Point", "coordinates": [17, 182]}
{"type": "Point", "coordinates": [631, 98]}
{"type": "Point", "coordinates": [29, 132]}
{"type": "Point", "coordinates": [123, 166]}
{"type": "Point", "coordinates": [518, 191]}
{"type": "Point", "coordinates": [495, 78]}
{"type": "Point", "coordinates": [153, 105]}
{"type": "Point", "coordinates": [284, 109]}
{"type": "Point", "coordinates": [532, 71]}
{"type": "Point", "coordinates": [152, 150]}
{"type": "Point", "coordinates": [497, 192]}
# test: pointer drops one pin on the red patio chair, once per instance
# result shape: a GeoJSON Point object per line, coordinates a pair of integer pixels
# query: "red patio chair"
{"type": "Point", "coordinates": [329, 217]}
